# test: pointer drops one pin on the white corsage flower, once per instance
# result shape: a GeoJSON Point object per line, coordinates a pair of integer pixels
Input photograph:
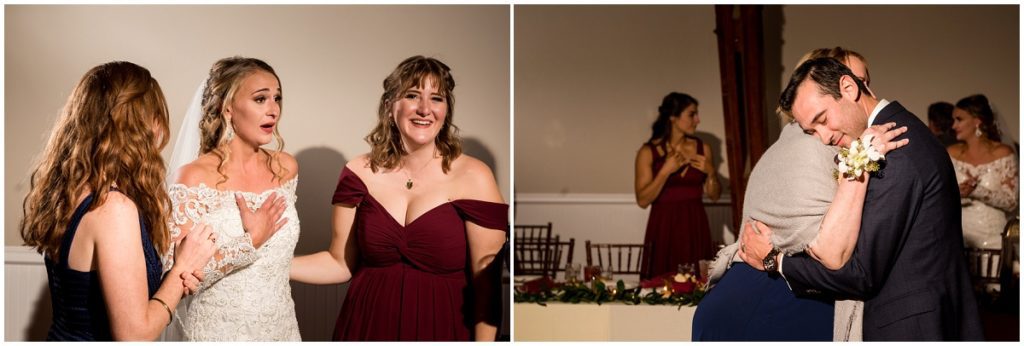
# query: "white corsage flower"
{"type": "Point", "coordinates": [860, 157]}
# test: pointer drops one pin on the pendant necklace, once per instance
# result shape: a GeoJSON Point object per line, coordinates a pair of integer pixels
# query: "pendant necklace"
{"type": "Point", "coordinates": [408, 183]}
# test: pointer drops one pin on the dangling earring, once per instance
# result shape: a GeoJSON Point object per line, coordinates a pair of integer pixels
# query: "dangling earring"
{"type": "Point", "coordinates": [977, 131]}
{"type": "Point", "coordinates": [229, 131]}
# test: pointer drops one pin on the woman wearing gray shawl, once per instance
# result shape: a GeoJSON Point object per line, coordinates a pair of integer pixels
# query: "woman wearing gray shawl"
{"type": "Point", "coordinates": [792, 190]}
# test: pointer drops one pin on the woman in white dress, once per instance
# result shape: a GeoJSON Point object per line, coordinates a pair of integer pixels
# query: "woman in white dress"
{"type": "Point", "coordinates": [241, 190]}
{"type": "Point", "coordinates": [986, 170]}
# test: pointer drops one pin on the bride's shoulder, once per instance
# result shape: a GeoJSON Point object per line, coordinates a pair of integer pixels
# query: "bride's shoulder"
{"type": "Point", "coordinates": [1002, 150]}
{"type": "Point", "coordinates": [288, 162]}
{"type": "Point", "coordinates": [955, 149]}
{"type": "Point", "coordinates": [201, 171]}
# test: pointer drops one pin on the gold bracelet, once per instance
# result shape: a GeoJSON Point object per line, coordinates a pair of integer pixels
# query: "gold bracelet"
{"type": "Point", "coordinates": [170, 316]}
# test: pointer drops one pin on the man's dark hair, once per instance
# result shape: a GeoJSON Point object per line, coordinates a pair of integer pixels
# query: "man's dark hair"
{"type": "Point", "coordinates": [826, 72]}
{"type": "Point", "coordinates": [941, 113]}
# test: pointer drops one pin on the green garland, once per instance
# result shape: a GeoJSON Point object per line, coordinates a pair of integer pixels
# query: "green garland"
{"type": "Point", "coordinates": [598, 293]}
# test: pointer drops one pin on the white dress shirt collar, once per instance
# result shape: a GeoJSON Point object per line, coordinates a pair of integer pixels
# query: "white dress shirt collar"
{"type": "Point", "coordinates": [878, 108]}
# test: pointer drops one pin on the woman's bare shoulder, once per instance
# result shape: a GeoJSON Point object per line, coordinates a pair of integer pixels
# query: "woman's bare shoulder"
{"type": "Point", "coordinates": [475, 178]}
{"type": "Point", "coordinates": [360, 164]}
{"type": "Point", "coordinates": [955, 149]}
{"type": "Point", "coordinates": [116, 218]}
{"type": "Point", "coordinates": [201, 171]}
{"type": "Point", "coordinates": [1002, 150]}
{"type": "Point", "coordinates": [289, 163]}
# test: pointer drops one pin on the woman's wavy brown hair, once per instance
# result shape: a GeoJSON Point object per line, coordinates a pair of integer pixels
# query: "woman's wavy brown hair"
{"type": "Point", "coordinates": [386, 149]}
{"type": "Point", "coordinates": [103, 137]}
{"type": "Point", "coordinates": [225, 78]}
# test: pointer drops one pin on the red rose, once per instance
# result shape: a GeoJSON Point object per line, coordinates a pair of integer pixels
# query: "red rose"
{"type": "Point", "coordinates": [539, 285]}
{"type": "Point", "coordinates": [657, 281]}
{"type": "Point", "coordinates": [683, 287]}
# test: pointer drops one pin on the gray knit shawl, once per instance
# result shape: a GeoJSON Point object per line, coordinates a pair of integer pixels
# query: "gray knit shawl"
{"type": "Point", "coordinates": [790, 189]}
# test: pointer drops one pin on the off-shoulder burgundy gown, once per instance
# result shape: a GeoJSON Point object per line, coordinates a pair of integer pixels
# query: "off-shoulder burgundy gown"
{"type": "Point", "coordinates": [677, 228]}
{"type": "Point", "coordinates": [412, 280]}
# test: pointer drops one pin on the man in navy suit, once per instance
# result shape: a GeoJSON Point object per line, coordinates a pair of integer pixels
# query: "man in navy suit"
{"type": "Point", "coordinates": [908, 265]}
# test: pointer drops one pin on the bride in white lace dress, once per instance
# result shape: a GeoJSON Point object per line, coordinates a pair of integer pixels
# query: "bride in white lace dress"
{"type": "Point", "coordinates": [986, 171]}
{"type": "Point", "coordinates": [245, 293]}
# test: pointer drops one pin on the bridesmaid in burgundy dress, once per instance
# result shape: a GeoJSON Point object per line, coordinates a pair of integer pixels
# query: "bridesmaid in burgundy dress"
{"type": "Point", "coordinates": [417, 225]}
{"type": "Point", "coordinates": [673, 171]}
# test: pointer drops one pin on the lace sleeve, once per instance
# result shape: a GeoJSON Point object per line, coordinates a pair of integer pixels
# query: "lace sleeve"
{"type": "Point", "coordinates": [192, 205]}
{"type": "Point", "coordinates": [999, 187]}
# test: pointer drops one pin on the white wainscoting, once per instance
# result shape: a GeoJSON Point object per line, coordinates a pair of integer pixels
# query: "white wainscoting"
{"type": "Point", "coordinates": [27, 313]}
{"type": "Point", "coordinates": [605, 218]}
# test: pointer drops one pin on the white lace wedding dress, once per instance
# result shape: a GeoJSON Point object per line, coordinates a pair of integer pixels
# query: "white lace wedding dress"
{"type": "Point", "coordinates": [986, 208]}
{"type": "Point", "coordinates": [245, 295]}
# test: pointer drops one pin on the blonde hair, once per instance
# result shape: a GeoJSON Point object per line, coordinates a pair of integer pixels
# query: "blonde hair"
{"type": "Point", "coordinates": [385, 141]}
{"type": "Point", "coordinates": [838, 53]}
{"type": "Point", "coordinates": [103, 137]}
{"type": "Point", "coordinates": [225, 78]}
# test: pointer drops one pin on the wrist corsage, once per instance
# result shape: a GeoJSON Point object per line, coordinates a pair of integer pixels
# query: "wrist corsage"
{"type": "Point", "coordinates": [860, 157]}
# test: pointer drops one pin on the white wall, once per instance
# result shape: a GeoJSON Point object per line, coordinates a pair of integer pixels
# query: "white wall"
{"type": "Point", "coordinates": [331, 60]}
{"type": "Point", "coordinates": [588, 83]}
{"type": "Point", "coordinates": [919, 55]}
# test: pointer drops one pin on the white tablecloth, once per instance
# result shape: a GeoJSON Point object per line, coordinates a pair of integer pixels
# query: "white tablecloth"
{"type": "Point", "coordinates": [605, 322]}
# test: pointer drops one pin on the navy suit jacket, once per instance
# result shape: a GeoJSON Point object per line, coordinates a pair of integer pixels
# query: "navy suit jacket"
{"type": "Point", "coordinates": [909, 265]}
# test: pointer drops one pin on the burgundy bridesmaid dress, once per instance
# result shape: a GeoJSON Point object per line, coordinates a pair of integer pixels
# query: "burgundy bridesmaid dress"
{"type": "Point", "coordinates": [677, 228]}
{"type": "Point", "coordinates": [411, 282]}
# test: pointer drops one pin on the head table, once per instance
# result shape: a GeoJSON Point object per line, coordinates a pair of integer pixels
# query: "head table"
{"type": "Point", "coordinates": [606, 322]}
{"type": "Point", "coordinates": [626, 309]}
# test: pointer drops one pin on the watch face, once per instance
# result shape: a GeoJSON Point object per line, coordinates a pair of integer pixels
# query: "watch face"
{"type": "Point", "coordinates": [769, 261]}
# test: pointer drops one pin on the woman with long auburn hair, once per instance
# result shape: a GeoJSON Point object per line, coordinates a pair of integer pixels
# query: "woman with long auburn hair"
{"type": "Point", "coordinates": [96, 210]}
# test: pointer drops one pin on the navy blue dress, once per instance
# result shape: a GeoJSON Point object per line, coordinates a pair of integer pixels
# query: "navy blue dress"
{"type": "Point", "coordinates": [749, 305]}
{"type": "Point", "coordinates": [79, 310]}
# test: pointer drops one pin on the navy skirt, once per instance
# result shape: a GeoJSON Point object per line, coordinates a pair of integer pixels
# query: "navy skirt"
{"type": "Point", "coordinates": [749, 305]}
